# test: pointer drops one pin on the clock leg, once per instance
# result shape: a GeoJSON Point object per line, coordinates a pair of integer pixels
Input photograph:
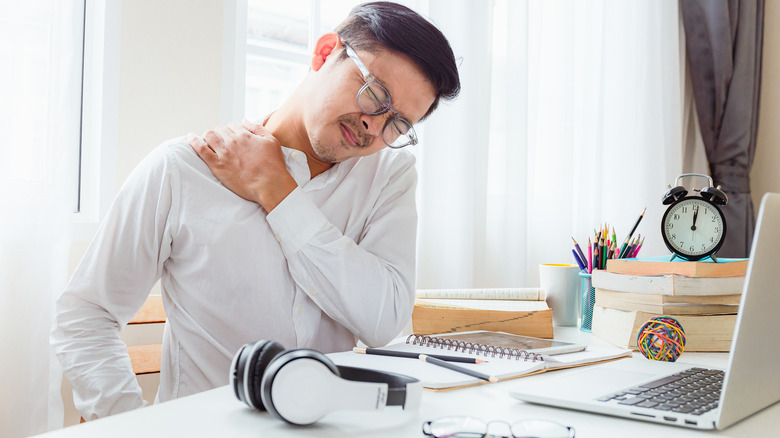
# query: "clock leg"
{"type": "Point", "coordinates": [712, 256]}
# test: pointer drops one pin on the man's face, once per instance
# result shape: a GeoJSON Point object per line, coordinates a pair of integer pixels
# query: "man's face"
{"type": "Point", "coordinates": [337, 128]}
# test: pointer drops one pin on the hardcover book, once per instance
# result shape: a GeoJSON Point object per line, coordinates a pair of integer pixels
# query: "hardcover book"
{"type": "Point", "coordinates": [529, 318]}
{"type": "Point", "coordinates": [661, 265]}
{"type": "Point", "coordinates": [669, 284]}
{"type": "Point", "coordinates": [702, 332]}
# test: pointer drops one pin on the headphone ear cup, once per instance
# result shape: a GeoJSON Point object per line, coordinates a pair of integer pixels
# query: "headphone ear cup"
{"type": "Point", "coordinates": [308, 368]}
{"type": "Point", "coordinates": [260, 357]}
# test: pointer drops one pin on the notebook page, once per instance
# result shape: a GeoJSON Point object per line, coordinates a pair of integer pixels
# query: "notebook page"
{"type": "Point", "coordinates": [592, 354]}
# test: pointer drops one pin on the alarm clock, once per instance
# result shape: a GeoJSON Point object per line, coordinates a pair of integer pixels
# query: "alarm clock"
{"type": "Point", "coordinates": [694, 227]}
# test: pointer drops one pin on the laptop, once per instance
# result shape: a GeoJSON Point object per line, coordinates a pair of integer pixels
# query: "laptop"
{"type": "Point", "coordinates": [682, 395]}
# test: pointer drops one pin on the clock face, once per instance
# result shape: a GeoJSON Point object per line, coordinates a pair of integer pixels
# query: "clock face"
{"type": "Point", "coordinates": [693, 228]}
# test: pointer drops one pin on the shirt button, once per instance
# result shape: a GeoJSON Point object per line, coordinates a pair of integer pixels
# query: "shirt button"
{"type": "Point", "coordinates": [278, 239]}
{"type": "Point", "coordinates": [300, 309]}
{"type": "Point", "coordinates": [296, 155]}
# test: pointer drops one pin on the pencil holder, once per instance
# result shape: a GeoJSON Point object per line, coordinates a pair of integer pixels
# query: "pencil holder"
{"type": "Point", "coordinates": [588, 297]}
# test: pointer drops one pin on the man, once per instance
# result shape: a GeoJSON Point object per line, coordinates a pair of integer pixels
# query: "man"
{"type": "Point", "coordinates": [318, 248]}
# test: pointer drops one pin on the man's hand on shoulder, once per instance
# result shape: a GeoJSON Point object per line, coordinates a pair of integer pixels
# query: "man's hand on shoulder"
{"type": "Point", "coordinates": [248, 160]}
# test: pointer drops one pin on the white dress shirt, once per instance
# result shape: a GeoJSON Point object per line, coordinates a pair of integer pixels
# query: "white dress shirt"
{"type": "Point", "coordinates": [332, 263]}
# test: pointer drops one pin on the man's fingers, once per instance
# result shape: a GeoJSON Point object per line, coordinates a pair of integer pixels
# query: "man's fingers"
{"type": "Point", "coordinates": [226, 134]}
{"type": "Point", "coordinates": [254, 128]}
{"type": "Point", "coordinates": [237, 129]}
{"type": "Point", "coordinates": [204, 151]}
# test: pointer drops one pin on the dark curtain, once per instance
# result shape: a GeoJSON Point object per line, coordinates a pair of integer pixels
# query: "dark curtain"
{"type": "Point", "coordinates": [724, 39]}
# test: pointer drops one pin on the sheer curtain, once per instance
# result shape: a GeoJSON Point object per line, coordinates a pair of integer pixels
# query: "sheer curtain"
{"type": "Point", "coordinates": [570, 116]}
{"type": "Point", "coordinates": [40, 45]}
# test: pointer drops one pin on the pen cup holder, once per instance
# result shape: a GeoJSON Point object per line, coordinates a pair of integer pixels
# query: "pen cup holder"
{"type": "Point", "coordinates": [588, 297]}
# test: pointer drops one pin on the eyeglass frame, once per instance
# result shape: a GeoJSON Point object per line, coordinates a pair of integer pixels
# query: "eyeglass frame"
{"type": "Point", "coordinates": [428, 423]}
{"type": "Point", "coordinates": [369, 80]}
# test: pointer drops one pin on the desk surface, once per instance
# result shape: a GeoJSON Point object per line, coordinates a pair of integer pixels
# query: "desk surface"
{"type": "Point", "coordinates": [218, 413]}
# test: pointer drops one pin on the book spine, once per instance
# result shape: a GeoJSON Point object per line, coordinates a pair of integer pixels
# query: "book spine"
{"type": "Point", "coordinates": [473, 348]}
{"type": "Point", "coordinates": [520, 294]}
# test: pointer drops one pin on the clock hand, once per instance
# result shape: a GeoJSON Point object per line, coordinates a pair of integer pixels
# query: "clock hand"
{"type": "Point", "coordinates": [693, 227]}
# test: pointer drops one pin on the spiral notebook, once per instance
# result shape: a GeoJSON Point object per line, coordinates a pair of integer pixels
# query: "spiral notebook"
{"type": "Point", "coordinates": [506, 360]}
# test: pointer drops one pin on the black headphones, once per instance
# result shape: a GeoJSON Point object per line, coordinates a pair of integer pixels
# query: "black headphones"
{"type": "Point", "coordinates": [301, 385]}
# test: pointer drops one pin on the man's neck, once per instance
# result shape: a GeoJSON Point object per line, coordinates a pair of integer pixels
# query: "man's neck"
{"type": "Point", "coordinates": [288, 128]}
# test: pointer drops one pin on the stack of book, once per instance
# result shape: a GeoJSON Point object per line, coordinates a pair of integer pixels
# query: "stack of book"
{"type": "Point", "coordinates": [703, 296]}
{"type": "Point", "coordinates": [520, 311]}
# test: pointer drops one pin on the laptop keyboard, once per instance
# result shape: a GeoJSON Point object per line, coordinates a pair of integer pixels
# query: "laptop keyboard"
{"type": "Point", "coordinates": [693, 391]}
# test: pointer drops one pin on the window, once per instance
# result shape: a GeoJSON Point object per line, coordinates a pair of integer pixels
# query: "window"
{"type": "Point", "coordinates": [280, 40]}
{"type": "Point", "coordinates": [41, 45]}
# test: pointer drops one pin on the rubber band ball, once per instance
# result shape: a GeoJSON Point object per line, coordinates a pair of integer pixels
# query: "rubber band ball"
{"type": "Point", "coordinates": [661, 338]}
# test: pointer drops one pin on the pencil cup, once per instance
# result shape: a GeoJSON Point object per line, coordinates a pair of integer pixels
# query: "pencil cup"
{"type": "Point", "coordinates": [588, 297]}
{"type": "Point", "coordinates": [559, 283]}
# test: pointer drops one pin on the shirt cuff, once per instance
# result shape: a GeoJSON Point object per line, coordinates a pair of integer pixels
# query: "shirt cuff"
{"type": "Point", "coordinates": [295, 221]}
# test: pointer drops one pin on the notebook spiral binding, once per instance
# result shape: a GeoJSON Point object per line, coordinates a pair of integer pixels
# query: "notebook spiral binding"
{"type": "Point", "coordinates": [473, 348]}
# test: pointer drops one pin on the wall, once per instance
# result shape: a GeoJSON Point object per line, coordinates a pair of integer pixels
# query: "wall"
{"type": "Point", "coordinates": [764, 175]}
{"type": "Point", "coordinates": [169, 84]}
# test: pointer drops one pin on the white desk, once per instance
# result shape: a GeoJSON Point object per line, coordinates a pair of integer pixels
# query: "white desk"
{"type": "Point", "coordinates": [218, 413]}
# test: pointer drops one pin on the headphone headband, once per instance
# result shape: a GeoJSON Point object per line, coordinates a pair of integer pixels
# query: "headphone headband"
{"type": "Point", "coordinates": [401, 389]}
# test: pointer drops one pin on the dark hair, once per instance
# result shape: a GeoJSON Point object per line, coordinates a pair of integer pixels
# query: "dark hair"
{"type": "Point", "coordinates": [370, 27]}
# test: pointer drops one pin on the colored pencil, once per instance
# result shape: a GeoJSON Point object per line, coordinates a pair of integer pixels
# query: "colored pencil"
{"type": "Point", "coordinates": [449, 366]}
{"type": "Point", "coordinates": [590, 257]}
{"type": "Point", "coordinates": [622, 252]}
{"type": "Point", "coordinates": [577, 258]}
{"type": "Point", "coordinates": [638, 247]}
{"type": "Point", "coordinates": [639, 219]}
{"type": "Point", "coordinates": [579, 252]}
{"type": "Point", "coordinates": [408, 354]}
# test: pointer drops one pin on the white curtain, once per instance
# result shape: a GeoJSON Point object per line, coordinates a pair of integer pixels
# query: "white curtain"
{"type": "Point", "coordinates": [40, 85]}
{"type": "Point", "coordinates": [571, 115]}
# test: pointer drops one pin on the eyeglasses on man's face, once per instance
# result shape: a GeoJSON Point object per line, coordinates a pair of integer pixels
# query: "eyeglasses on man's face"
{"type": "Point", "coordinates": [470, 427]}
{"type": "Point", "coordinates": [374, 99]}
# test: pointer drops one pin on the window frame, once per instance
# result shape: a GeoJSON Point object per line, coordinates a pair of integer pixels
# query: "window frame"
{"type": "Point", "coordinates": [99, 117]}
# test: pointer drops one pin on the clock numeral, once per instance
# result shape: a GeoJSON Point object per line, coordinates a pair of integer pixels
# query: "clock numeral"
{"type": "Point", "coordinates": [712, 240]}
{"type": "Point", "coordinates": [717, 229]}
{"type": "Point", "coordinates": [703, 246]}
{"type": "Point", "coordinates": [713, 219]}
{"type": "Point", "coordinates": [676, 216]}
{"type": "Point", "coordinates": [685, 209]}
{"type": "Point", "coordinates": [670, 225]}
{"type": "Point", "coordinates": [674, 236]}
{"type": "Point", "coordinates": [691, 248]}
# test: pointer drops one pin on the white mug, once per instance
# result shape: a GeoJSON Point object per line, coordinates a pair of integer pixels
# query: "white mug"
{"type": "Point", "coordinates": [561, 284]}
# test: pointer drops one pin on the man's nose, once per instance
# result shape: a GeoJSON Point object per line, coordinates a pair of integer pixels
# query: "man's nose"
{"type": "Point", "coordinates": [374, 124]}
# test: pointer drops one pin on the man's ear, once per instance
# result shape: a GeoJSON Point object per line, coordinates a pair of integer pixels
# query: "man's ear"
{"type": "Point", "coordinates": [325, 45]}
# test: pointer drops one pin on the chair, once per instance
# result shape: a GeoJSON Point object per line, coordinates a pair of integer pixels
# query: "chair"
{"type": "Point", "coordinates": [145, 359]}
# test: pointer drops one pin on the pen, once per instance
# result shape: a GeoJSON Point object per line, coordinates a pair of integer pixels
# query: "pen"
{"type": "Point", "coordinates": [449, 366]}
{"type": "Point", "coordinates": [407, 354]}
